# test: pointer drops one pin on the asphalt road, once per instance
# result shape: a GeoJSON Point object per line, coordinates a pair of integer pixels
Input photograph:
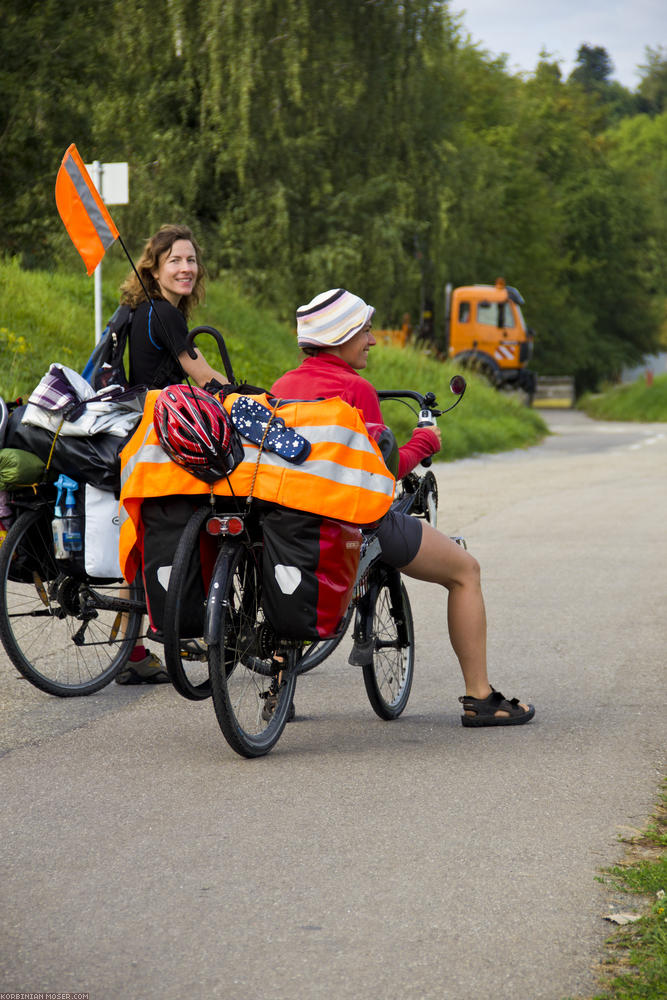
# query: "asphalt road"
{"type": "Point", "coordinates": [141, 858]}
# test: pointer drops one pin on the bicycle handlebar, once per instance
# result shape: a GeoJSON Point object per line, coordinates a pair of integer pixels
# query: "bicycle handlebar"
{"type": "Point", "coordinates": [427, 403]}
{"type": "Point", "coordinates": [457, 384]}
{"type": "Point", "coordinates": [222, 347]}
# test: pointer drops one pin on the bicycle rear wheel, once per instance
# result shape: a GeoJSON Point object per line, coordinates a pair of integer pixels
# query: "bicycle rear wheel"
{"type": "Point", "coordinates": [186, 660]}
{"type": "Point", "coordinates": [66, 636]}
{"type": "Point", "coordinates": [388, 677]}
{"type": "Point", "coordinates": [252, 694]}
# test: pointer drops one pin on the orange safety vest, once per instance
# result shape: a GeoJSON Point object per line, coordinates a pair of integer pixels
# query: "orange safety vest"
{"type": "Point", "coordinates": [344, 477]}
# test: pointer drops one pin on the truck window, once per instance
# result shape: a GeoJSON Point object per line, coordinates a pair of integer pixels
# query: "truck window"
{"type": "Point", "coordinates": [487, 313]}
{"type": "Point", "coordinates": [464, 312]}
{"type": "Point", "coordinates": [496, 314]}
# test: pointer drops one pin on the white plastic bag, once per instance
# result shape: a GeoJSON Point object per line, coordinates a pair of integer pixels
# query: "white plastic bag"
{"type": "Point", "coordinates": [102, 533]}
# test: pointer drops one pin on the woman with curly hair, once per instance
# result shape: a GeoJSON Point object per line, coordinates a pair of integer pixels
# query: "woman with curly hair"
{"type": "Point", "coordinates": [173, 274]}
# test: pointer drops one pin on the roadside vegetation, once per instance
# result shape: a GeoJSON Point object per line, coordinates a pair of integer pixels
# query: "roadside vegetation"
{"type": "Point", "coordinates": [640, 401]}
{"type": "Point", "coordinates": [635, 964]}
{"type": "Point", "coordinates": [434, 162]}
{"type": "Point", "coordinates": [49, 317]}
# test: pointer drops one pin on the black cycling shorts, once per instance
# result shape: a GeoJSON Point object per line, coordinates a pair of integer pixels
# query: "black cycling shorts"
{"type": "Point", "coordinates": [400, 537]}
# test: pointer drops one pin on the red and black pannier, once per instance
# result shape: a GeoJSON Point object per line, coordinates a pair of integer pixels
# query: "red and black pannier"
{"type": "Point", "coordinates": [309, 568]}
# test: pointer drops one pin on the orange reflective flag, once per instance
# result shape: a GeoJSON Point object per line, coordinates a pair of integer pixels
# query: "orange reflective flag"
{"type": "Point", "coordinates": [86, 218]}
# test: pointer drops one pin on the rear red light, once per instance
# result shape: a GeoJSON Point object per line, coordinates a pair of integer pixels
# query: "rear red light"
{"type": "Point", "coordinates": [224, 525]}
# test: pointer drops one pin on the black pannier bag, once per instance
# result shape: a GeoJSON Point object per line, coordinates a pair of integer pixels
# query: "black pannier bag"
{"type": "Point", "coordinates": [93, 459]}
{"type": "Point", "coordinates": [163, 522]}
{"type": "Point", "coordinates": [309, 568]}
{"type": "Point", "coordinates": [33, 559]}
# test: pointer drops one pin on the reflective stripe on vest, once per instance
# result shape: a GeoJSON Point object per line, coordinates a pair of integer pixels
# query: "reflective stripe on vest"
{"type": "Point", "coordinates": [344, 477]}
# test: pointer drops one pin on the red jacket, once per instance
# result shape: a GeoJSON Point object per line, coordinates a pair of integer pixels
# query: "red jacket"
{"type": "Point", "coordinates": [326, 375]}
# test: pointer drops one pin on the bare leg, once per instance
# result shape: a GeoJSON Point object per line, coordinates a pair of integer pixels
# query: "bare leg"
{"type": "Point", "coordinates": [440, 560]}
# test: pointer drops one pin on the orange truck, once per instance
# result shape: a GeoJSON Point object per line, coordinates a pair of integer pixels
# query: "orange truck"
{"type": "Point", "coordinates": [486, 331]}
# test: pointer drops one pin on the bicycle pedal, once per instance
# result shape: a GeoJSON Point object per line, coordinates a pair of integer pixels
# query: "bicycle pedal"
{"type": "Point", "coordinates": [460, 540]}
{"type": "Point", "coordinates": [193, 650]}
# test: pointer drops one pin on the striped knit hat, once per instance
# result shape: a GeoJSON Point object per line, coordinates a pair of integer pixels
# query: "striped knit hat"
{"type": "Point", "coordinates": [331, 318]}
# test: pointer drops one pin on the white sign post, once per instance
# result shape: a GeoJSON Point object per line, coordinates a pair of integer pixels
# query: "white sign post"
{"type": "Point", "coordinates": [113, 186]}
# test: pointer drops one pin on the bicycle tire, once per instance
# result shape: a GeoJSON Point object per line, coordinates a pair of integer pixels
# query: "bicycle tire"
{"type": "Point", "coordinates": [431, 506]}
{"type": "Point", "coordinates": [427, 499]}
{"type": "Point", "coordinates": [55, 628]}
{"type": "Point", "coordinates": [244, 679]}
{"type": "Point", "coordinates": [186, 662]}
{"type": "Point", "coordinates": [318, 651]}
{"type": "Point", "coordinates": [388, 677]}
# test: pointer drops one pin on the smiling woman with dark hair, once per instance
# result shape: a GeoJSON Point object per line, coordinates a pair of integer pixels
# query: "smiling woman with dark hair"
{"type": "Point", "coordinates": [172, 272]}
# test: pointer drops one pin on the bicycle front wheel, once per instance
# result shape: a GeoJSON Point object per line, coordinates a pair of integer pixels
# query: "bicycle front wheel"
{"type": "Point", "coordinates": [388, 677]}
{"type": "Point", "coordinates": [252, 692]}
{"type": "Point", "coordinates": [66, 636]}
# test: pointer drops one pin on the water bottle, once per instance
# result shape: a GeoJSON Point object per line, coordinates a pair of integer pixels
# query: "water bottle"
{"type": "Point", "coordinates": [58, 523]}
{"type": "Point", "coordinates": [72, 535]}
{"type": "Point", "coordinates": [66, 528]}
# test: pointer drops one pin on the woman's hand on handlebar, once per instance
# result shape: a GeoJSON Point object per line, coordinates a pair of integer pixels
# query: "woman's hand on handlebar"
{"type": "Point", "coordinates": [436, 430]}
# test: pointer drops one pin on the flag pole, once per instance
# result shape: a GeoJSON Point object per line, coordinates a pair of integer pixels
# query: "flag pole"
{"type": "Point", "coordinates": [97, 275]}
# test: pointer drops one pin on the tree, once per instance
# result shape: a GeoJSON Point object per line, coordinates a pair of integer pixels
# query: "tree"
{"type": "Point", "coordinates": [652, 88]}
{"type": "Point", "coordinates": [362, 143]}
{"type": "Point", "coordinates": [52, 66]}
{"type": "Point", "coordinates": [593, 73]}
{"type": "Point", "coordinates": [593, 66]}
{"type": "Point", "coordinates": [637, 148]}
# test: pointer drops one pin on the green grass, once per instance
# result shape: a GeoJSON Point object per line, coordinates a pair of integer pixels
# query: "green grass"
{"type": "Point", "coordinates": [635, 965]}
{"type": "Point", "coordinates": [637, 401]}
{"type": "Point", "coordinates": [48, 316]}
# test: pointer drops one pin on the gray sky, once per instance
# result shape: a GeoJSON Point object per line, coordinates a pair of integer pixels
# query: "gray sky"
{"type": "Point", "coordinates": [521, 28]}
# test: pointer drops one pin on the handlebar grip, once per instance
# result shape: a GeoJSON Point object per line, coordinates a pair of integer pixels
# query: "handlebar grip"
{"type": "Point", "coordinates": [426, 420]}
{"type": "Point", "coordinates": [222, 347]}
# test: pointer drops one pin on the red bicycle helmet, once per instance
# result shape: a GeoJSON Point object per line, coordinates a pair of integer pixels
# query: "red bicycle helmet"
{"type": "Point", "coordinates": [195, 431]}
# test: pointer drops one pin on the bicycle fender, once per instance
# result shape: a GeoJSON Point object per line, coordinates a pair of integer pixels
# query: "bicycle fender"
{"type": "Point", "coordinates": [372, 552]}
{"type": "Point", "coordinates": [214, 608]}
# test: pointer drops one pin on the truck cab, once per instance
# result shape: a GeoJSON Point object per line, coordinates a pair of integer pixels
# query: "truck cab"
{"type": "Point", "coordinates": [487, 332]}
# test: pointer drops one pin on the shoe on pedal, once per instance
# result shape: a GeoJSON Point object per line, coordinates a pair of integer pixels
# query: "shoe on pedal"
{"type": "Point", "coordinates": [269, 708]}
{"type": "Point", "coordinates": [146, 671]}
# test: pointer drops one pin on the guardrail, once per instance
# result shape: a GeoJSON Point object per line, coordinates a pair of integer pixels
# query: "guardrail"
{"type": "Point", "coordinates": [554, 391]}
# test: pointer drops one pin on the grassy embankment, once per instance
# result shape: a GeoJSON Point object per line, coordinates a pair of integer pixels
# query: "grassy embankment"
{"type": "Point", "coordinates": [637, 401]}
{"type": "Point", "coordinates": [635, 964]}
{"type": "Point", "coordinates": [48, 317]}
